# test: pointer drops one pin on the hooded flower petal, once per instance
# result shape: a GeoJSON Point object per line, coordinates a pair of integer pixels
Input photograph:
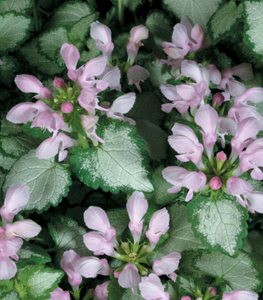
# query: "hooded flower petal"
{"type": "Point", "coordinates": [59, 294]}
{"type": "Point", "coordinates": [91, 267]}
{"type": "Point", "coordinates": [25, 229]}
{"type": "Point", "coordinates": [137, 74]}
{"type": "Point", "coordinates": [129, 277]}
{"type": "Point", "coordinates": [151, 288]}
{"type": "Point", "coordinates": [112, 77]}
{"type": "Point", "coordinates": [167, 264]}
{"type": "Point", "coordinates": [69, 263]}
{"type": "Point", "coordinates": [185, 142]}
{"type": "Point", "coordinates": [9, 246]}
{"type": "Point", "coordinates": [89, 123]}
{"type": "Point", "coordinates": [30, 84]}
{"type": "Point", "coordinates": [254, 95]}
{"type": "Point", "coordinates": [240, 295]}
{"type": "Point", "coordinates": [158, 226]}
{"type": "Point", "coordinates": [16, 199]}
{"type": "Point", "coordinates": [137, 207]}
{"type": "Point", "coordinates": [102, 36]}
{"type": "Point", "coordinates": [96, 218]}
{"type": "Point", "coordinates": [121, 106]}
{"type": "Point", "coordinates": [98, 244]}
{"type": "Point", "coordinates": [8, 268]}
{"type": "Point", "coordinates": [101, 291]}
{"type": "Point", "coordinates": [71, 56]}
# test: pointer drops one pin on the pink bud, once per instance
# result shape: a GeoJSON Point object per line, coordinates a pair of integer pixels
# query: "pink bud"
{"type": "Point", "coordinates": [66, 107]}
{"type": "Point", "coordinates": [218, 99]}
{"type": "Point", "coordinates": [212, 291]}
{"type": "Point", "coordinates": [215, 183]}
{"type": "Point", "coordinates": [186, 298]}
{"type": "Point", "coordinates": [221, 156]}
{"type": "Point", "coordinates": [59, 83]}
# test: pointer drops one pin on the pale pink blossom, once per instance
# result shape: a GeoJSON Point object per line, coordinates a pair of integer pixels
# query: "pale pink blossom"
{"type": "Point", "coordinates": [59, 83]}
{"type": "Point", "coordinates": [252, 158]}
{"type": "Point", "coordinates": [69, 263]}
{"type": "Point", "coordinates": [158, 226]}
{"type": "Point", "coordinates": [101, 291]}
{"type": "Point", "coordinates": [207, 118]}
{"type": "Point", "coordinates": [185, 142]}
{"type": "Point", "coordinates": [180, 177]}
{"type": "Point", "coordinates": [247, 131]}
{"type": "Point", "coordinates": [151, 288]}
{"type": "Point", "coordinates": [30, 84]}
{"type": "Point", "coordinates": [112, 76]}
{"type": "Point", "coordinates": [137, 74]}
{"type": "Point", "coordinates": [67, 107]}
{"type": "Point", "coordinates": [137, 207]}
{"type": "Point", "coordinates": [71, 56]}
{"type": "Point", "coordinates": [26, 112]}
{"type": "Point", "coordinates": [240, 113]}
{"type": "Point", "coordinates": [214, 74]}
{"type": "Point", "coordinates": [89, 101]}
{"type": "Point", "coordinates": [25, 229]}
{"type": "Point", "coordinates": [240, 295]}
{"type": "Point", "coordinates": [253, 95]}
{"type": "Point", "coordinates": [230, 84]}
{"type": "Point", "coordinates": [8, 268]}
{"type": "Point", "coordinates": [186, 298]}
{"type": "Point", "coordinates": [16, 199]}
{"type": "Point", "coordinates": [129, 277]}
{"type": "Point", "coordinates": [98, 243]}
{"type": "Point", "coordinates": [137, 34]}
{"type": "Point", "coordinates": [59, 294]}
{"type": "Point", "coordinates": [96, 218]}
{"type": "Point", "coordinates": [55, 145]}
{"type": "Point", "coordinates": [167, 265]}
{"type": "Point", "coordinates": [89, 123]}
{"type": "Point", "coordinates": [91, 267]}
{"type": "Point", "coordinates": [225, 126]}
{"type": "Point", "coordinates": [215, 183]}
{"type": "Point", "coordinates": [102, 36]}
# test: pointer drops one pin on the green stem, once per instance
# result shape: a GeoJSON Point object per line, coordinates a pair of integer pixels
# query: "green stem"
{"type": "Point", "coordinates": [120, 11]}
{"type": "Point", "coordinates": [76, 293]}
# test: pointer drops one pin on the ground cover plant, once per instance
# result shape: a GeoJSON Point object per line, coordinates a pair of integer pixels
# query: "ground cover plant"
{"type": "Point", "coordinates": [131, 150]}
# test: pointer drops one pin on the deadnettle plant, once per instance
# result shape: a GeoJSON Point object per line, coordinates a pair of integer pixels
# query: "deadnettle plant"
{"type": "Point", "coordinates": [13, 233]}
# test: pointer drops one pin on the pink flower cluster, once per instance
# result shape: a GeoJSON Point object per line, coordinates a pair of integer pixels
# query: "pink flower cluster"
{"type": "Point", "coordinates": [13, 233]}
{"type": "Point", "coordinates": [56, 109]}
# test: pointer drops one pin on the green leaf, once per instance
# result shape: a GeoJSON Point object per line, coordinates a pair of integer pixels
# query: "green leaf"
{"type": "Point", "coordinates": [254, 26]}
{"type": "Point", "coordinates": [116, 165]}
{"type": "Point", "coordinates": [70, 13]}
{"type": "Point", "coordinates": [224, 20]}
{"type": "Point", "coordinates": [32, 55]}
{"type": "Point", "coordinates": [115, 292]}
{"type": "Point", "coordinates": [48, 181]}
{"type": "Point", "coordinates": [2, 178]}
{"type": "Point", "coordinates": [13, 31]}
{"type": "Point", "coordinates": [159, 73]}
{"type": "Point", "coordinates": [32, 254]}
{"type": "Point", "coordinates": [181, 237]}
{"type": "Point", "coordinates": [67, 234]}
{"type": "Point", "coordinates": [18, 6]}
{"type": "Point", "coordinates": [118, 219]}
{"type": "Point", "coordinates": [37, 282]}
{"type": "Point", "coordinates": [8, 70]}
{"type": "Point", "coordinates": [238, 272]}
{"type": "Point", "coordinates": [6, 161]}
{"type": "Point", "coordinates": [198, 11]}
{"type": "Point", "coordinates": [9, 296]}
{"type": "Point", "coordinates": [51, 42]}
{"type": "Point", "coordinates": [220, 223]}
{"type": "Point", "coordinates": [130, 4]}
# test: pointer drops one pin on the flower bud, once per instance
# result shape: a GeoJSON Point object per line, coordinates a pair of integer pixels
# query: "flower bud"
{"type": "Point", "coordinates": [221, 156]}
{"type": "Point", "coordinates": [215, 183]}
{"type": "Point", "coordinates": [212, 291]}
{"type": "Point", "coordinates": [59, 83]}
{"type": "Point", "coordinates": [218, 99]}
{"type": "Point", "coordinates": [66, 107]}
{"type": "Point", "coordinates": [186, 298]}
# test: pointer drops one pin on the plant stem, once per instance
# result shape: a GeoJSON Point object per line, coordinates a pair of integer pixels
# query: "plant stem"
{"type": "Point", "coordinates": [120, 11]}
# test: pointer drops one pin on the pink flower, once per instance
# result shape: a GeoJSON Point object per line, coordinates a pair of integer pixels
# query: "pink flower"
{"type": "Point", "coordinates": [137, 207]}
{"type": "Point", "coordinates": [30, 84]}
{"type": "Point", "coordinates": [254, 95]}
{"type": "Point", "coordinates": [89, 124]}
{"type": "Point", "coordinates": [26, 112]}
{"type": "Point", "coordinates": [8, 268]}
{"type": "Point", "coordinates": [151, 288]}
{"type": "Point", "coordinates": [240, 113]}
{"type": "Point", "coordinates": [121, 106]}
{"type": "Point", "coordinates": [218, 99]}
{"type": "Point", "coordinates": [67, 107]}
{"type": "Point", "coordinates": [137, 74]}
{"type": "Point", "coordinates": [221, 156]}
{"type": "Point", "coordinates": [229, 83]}
{"type": "Point", "coordinates": [158, 226]}
{"type": "Point", "coordinates": [214, 75]}
{"type": "Point", "coordinates": [186, 298]}
{"type": "Point", "coordinates": [71, 56]}
{"type": "Point", "coordinates": [206, 117]}
{"type": "Point", "coordinates": [59, 83]}
{"type": "Point", "coordinates": [102, 36]}
{"type": "Point", "coordinates": [16, 199]}
{"type": "Point", "coordinates": [240, 295]}
{"type": "Point", "coordinates": [129, 277]}
{"type": "Point", "coordinates": [225, 126]}
{"type": "Point", "coordinates": [91, 267]}
{"type": "Point", "coordinates": [180, 177]}
{"type": "Point", "coordinates": [112, 76]}
{"type": "Point", "coordinates": [98, 244]}
{"type": "Point", "coordinates": [25, 229]}
{"type": "Point", "coordinates": [137, 34]}
{"type": "Point", "coordinates": [69, 263]}
{"type": "Point", "coordinates": [246, 132]}
{"type": "Point", "coordinates": [215, 183]}
{"type": "Point", "coordinates": [96, 218]}
{"type": "Point", "coordinates": [101, 291]}
{"type": "Point", "coordinates": [185, 142]}
{"type": "Point", "coordinates": [59, 294]}
{"type": "Point", "coordinates": [55, 145]}
{"type": "Point", "coordinates": [167, 265]}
